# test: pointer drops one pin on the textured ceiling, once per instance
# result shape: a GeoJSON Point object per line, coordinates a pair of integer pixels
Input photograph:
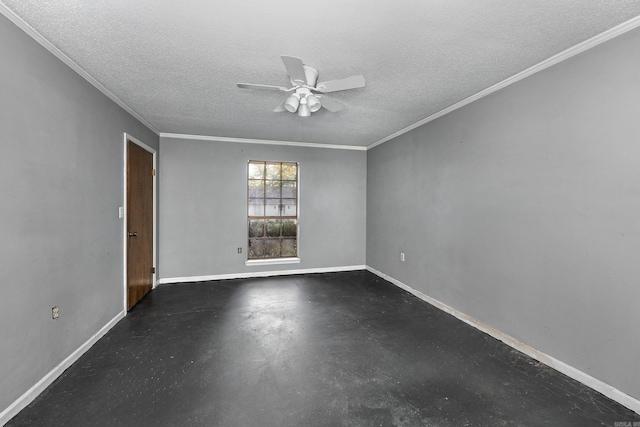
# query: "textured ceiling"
{"type": "Point", "coordinates": [176, 64]}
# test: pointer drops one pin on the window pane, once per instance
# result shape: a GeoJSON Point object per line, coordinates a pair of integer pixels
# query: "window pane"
{"type": "Point", "coordinates": [256, 207]}
{"type": "Point", "coordinates": [289, 171]}
{"type": "Point", "coordinates": [256, 188]}
{"type": "Point", "coordinates": [273, 188]}
{"type": "Point", "coordinates": [289, 207]}
{"type": "Point", "coordinates": [256, 248]}
{"type": "Point", "coordinates": [273, 207]}
{"type": "Point", "coordinates": [272, 248]}
{"type": "Point", "coordinates": [289, 189]}
{"type": "Point", "coordinates": [256, 170]}
{"type": "Point", "coordinates": [289, 247]}
{"type": "Point", "coordinates": [289, 228]}
{"type": "Point", "coordinates": [272, 193]}
{"type": "Point", "coordinates": [256, 228]}
{"type": "Point", "coordinates": [273, 171]}
{"type": "Point", "coordinates": [273, 228]}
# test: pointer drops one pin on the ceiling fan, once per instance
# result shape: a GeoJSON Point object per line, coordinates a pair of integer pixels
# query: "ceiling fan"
{"type": "Point", "coordinates": [306, 94]}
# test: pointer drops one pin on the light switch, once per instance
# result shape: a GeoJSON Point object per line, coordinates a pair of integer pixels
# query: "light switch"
{"type": "Point", "coordinates": [121, 212]}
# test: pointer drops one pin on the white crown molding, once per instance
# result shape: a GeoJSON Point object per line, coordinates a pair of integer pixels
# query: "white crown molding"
{"type": "Point", "coordinates": [562, 56]}
{"type": "Point", "coordinates": [188, 279]}
{"type": "Point", "coordinates": [261, 141]}
{"type": "Point", "coordinates": [586, 379]}
{"type": "Point", "coordinates": [70, 63]}
{"type": "Point", "coordinates": [28, 396]}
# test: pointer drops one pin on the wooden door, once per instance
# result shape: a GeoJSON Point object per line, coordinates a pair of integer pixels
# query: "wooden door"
{"type": "Point", "coordinates": [139, 223]}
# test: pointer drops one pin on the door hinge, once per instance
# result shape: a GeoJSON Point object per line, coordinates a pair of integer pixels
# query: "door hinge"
{"type": "Point", "coordinates": [153, 270]}
{"type": "Point", "coordinates": [153, 172]}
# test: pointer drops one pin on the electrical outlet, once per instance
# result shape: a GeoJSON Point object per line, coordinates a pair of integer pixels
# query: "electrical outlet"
{"type": "Point", "coordinates": [239, 250]}
{"type": "Point", "coordinates": [55, 312]}
{"type": "Point", "coordinates": [402, 256]}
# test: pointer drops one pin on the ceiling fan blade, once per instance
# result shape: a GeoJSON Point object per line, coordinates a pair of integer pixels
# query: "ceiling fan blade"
{"type": "Point", "coordinates": [280, 108]}
{"type": "Point", "coordinates": [262, 87]}
{"type": "Point", "coordinates": [295, 69]}
{"type": "Point", "coordinates": [330, 104]}
{"type": "Point", "coordinates": [352, 82]}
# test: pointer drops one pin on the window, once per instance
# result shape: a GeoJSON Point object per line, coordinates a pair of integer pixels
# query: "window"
{"type": "Point", "coordinates": [272, 210]}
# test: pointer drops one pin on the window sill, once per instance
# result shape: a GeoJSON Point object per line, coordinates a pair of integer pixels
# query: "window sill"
{"type": "Point", "coordinates": [272, 261]}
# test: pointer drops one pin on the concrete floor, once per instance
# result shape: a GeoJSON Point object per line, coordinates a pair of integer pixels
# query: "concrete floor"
{"type": "Point", "coordinates": [338, 349]}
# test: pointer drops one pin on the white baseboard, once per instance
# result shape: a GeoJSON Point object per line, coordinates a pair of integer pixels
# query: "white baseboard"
{"type": "Point", "coordinates": [49, 378]}
{"type": "Point", "coordinates": [607, 390]}
{"type": "Point", "coordinates": [249, 275]}
{"type": "Point", "coordinates": [586, 379]}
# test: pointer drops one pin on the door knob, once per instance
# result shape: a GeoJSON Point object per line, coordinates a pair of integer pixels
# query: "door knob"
{"type": "Point", "coordinates": [133, 234]}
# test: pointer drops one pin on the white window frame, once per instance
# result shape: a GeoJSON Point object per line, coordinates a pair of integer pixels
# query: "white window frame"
{"type": "Point", "coordinates": [282, 260]}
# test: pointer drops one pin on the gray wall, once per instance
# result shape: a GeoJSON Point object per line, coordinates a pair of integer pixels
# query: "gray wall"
{"type": "Point", "coordinates": [61, 182]}
{"type": "Point", "coordinates": [203, 206]}
{"type": "Point", "coordinates": [523, 211]}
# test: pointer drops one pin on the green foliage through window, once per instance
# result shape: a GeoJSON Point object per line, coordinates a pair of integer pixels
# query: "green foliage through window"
{"type": "Point", "coordinates": [272, 209]}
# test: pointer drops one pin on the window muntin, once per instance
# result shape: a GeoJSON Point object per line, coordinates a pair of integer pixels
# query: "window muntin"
{"type": "Point", "coordinates": [272, 210]}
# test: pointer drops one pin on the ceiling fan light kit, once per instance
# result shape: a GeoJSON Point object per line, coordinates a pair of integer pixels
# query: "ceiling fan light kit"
{"type": "Point", "coordinates": [308, 95]}
{"type": "Point", "coordinates": [314, 103]}
{"type": "Point", "coordinates": [292, 103]}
